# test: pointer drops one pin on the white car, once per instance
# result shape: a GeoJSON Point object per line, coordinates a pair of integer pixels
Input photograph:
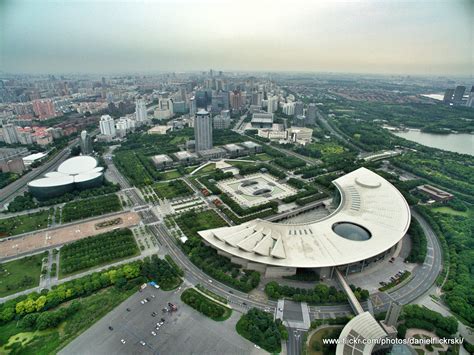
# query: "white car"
{"type": "Point", "coordinates": [145, 300]}
{"type": "Point", "coordinates": [153, 333]}
{"type": "Point", "coordinates": [152, 296]}
{"type": "Point", "coordinates": [123, 341]}
{"type": "Point", "coordinates": [142, 342]}
{"type": "Point", "coordinates": [142, 302]}
{"type": "Point", "coordinates": [156, 286]}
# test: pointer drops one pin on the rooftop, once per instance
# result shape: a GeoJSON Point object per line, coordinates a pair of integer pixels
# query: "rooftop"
{"type": "Point", "coordinates": [374, 217]}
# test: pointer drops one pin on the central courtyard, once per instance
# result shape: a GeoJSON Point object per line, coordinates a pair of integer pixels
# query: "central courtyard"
{"type": "Point", "coordinates": [255, 189]}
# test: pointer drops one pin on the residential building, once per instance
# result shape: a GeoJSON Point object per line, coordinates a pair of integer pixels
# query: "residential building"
{"type": "Point", "coordinates": [107, 126]}
{"type": "Point", "coordinates": [299, 108]}
{"type": "Point", "coordinates": [85, 143]}
{"type": "Point", "coordinates": [9, 134]}
{"type": "Point", "coordinates": [459, 94]}
{"type": "Point", "coordinates": [311, 114]}
{"type": "Point", "coordinates": [289, 108]}
{"type": "Point", "coordinates": [448, 95]}
{"type": "Point", "coordinates": [221, 122]}
{"type": "Point", "coordinates": [272, 104]}
{"type": "Point", "coordinates": [44, 109]}
{"type": "Point", "coordinates": [470, 99]}
{"type": "Point", "coordinates": [140, 111]}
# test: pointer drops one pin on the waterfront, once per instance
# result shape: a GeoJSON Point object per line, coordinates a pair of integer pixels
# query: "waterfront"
{"type": "Point", "coordinates": [460, 143]}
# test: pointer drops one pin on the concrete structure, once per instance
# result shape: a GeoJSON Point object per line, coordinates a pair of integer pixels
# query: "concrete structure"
{"type": "Point", "coordinates": [393, 313]}
{"type": "Point", "coordinates": [213, 153]}
{"type": "Point", "coordinates": [75, 173]}
{"type": "Point", "coordinates": [107, 126]}
{"type": "Point", "coordinates": [458, 94]}
{"type": "Point", "coordinates": [221, 122]}
{"type": "Point", "coordinates": [311, 114]}
{"type": "Point", "coordinates": [252, 147]}
{"type": "Point", "coordinates": [203, 130]}
{"type": "Point", "coordinates": [162, 160]}
{"type": "Point", "coordinates": [29, 159]}
{"type": "Point", "coordinates": [159, 130]}
{"type": "Point", "coordinates": [85, 143]}
{"type": "Point", "coordinates": [235, 150]}
{"type": "Point", "coordinates": [371, 219]}
{"type": "Point", "coordinates": [448, 95]}
{"type": "Point", "coordinates": [299, 108]}
{"type": "Point", "coordinates": [14, 165]}
{"type": "Point", "coordinates": [124, 125]}
{"type": "Point", "coordinates": [435, 193]}
{"type": "Point", "coordinates": [272, 104]}
{"type": "Point", "coordinates": [355, 334]}
{"type": "Point", "coordinates": [44, 109]}
{"type": "Point", "coordinates": [140, 111]}
{"type": "Point", "coordinates": [300, 135]}
{"type": "Point", "coordinates": [289, 108]}
{"type": "Point", "coordinates": [261, 120]}
{"type": "Point", "coordinates": [186, 157]}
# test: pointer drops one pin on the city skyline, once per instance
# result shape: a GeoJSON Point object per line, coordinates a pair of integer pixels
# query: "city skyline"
{"type": "Point", "coordinates": [425, 37]}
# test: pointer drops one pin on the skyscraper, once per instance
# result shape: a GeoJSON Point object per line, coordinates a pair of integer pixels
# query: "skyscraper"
{"type": "Point", "coordinates": [458, 94]}
{"type": "Point", "coordinates": [86, 143]}
{"type": "Point", "coordinates": [311, 114]}
{"type": "Point", "coordinates": [470, 99]}
{"type": "Point", "coordinates": [299, 108]}
{"type": "Point", "coordinates": [236, 100]}
{"type": "Point", "coordinates": [203, 130]}
{"type": "Point", "coordinates": [107, 126]}
{"type": "Point", "coordinates": [272, 103]}
{"type": "Point", "coordinates": [140, 111]}
{"type": "Point", "coordinates": [448, 95]}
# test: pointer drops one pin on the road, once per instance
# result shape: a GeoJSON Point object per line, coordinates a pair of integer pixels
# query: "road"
{"type": "Point", "coordinates": [17, 187]}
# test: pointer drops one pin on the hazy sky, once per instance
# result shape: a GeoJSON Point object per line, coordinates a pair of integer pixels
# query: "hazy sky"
{"type": "Point", "coordinates": [414, 37]}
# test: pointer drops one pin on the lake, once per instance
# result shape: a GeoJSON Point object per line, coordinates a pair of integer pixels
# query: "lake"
{"type": "Point", "coordinates": [459, 143]}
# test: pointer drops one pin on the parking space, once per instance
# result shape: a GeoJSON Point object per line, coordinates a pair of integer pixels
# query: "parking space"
{"type": "Point", "coordinates": [185, 331]}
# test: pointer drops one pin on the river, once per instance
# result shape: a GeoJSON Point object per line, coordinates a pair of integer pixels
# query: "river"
{"type": "Point", "coordinates": [459, 143]}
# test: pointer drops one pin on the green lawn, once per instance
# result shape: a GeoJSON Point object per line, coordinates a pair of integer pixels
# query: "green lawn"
{"type": "Point", "coordinates": [24, 223]}
{"type": "Point", "coordinates": [207, 169]}
{"type": "Point", "coordinates": [20, 274]}
{"type": "Point", "coordinates": [449, 210]}
{"type": "Point", "coordinates": [192, 222]}
{"type": "Point", "coordinates": [170, 174]}
{"type": "Point", "coordinates": [316, 338]}
{"type": "Point", "coordinates": [263, 157]}
{"type": "Point", "coordinates": [178, 140]}
{"type": "Point", "coordinates": [172, 189]}
{"type": "Point", "coordinates": [241, 163]}
{"type": "Point", "coordinates": [16, 340]}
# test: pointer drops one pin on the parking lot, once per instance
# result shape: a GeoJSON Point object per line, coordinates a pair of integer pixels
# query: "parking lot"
{"type": "Point", "coordinates": [184, 331]}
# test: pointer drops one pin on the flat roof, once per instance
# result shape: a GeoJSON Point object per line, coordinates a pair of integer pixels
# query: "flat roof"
{"type": "Point", "coordinates": [185, 155]}
{"type": "Point", "coordinates": [232, 147]}
{"type": "Point", "coordinates": [161, 158]}
{"type": "Point", "coordinates": [367, 200]}
{"type": "Point", "coordinates": [250, 144]}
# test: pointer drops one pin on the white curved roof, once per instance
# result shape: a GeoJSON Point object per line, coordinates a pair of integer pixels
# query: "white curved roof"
{"type": "Point", "coordinates": [52, 181]}
{"type": "Point", "coordinates": [86, 177]}
{"type": "Point", "coordinates": [77, 165]}
{"type": "Point", "coordinates": [359, 328]}
{"type": "Point", "coordinates": [367, 200]}
{"type": "Point", "coordinates": [54, 174]}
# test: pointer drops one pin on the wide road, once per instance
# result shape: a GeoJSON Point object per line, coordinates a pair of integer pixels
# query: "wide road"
{"type": "Point", "coordinates": [10, 191]}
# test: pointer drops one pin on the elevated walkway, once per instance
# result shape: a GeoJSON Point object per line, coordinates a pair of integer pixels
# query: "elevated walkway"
{"type": "Point", "coordinates": [356, 306]}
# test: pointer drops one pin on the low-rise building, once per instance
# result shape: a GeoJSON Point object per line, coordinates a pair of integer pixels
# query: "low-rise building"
{"type": "Point", "coordinates": [186, 157]}
{"type": "Point", "coordinates": [435, 193]}
{"type": "Point", "coordinates": [261, 120]}
{"type": "Point", "coordinates": [159, 130]}
{"type": "Point", "coordinates": [162, 161]}
{"type": "Point", "coordinates": [213, 153]}
{"type": "Point", "coordinates": [235, 150]}
{"type": "Point", "coordinates": [252, 147]}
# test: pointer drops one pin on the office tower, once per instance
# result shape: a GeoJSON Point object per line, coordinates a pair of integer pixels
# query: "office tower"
{"type": "Point", "coordinates": [182, 92]}
{"type": "Point", "coordinates": [458, 94]}
{"type": "Point", "coordinates": [203, 130]}
{"type": "Point", "coordinates": [448, 95]}
{"type": "Point", "coordinates": [140, 111]}
{"type": "Point", "coordinates": [311, 114]}
{"type": "Point", "coordinates": [9, 134]}
{"type": "Point", "coordinates": [236, 100]}
{"type": "Point", "coordinates": [44, 109]}
{"type": "Point", "coordinates": [299, 108]}
{"type": "Point", "coordinates": [202, 99]}
{"type": "Point", "coordinates": [107, 126]}
{"type": "Point", "coordinates": [393, 313]}
{"type": "Point", "coordinates": [272, 104]}
{"type": "Point", "coordinates": [86, 143]}
{"type": "Point", "coordinates": [192, 106]}
{"type": "Point", "coordinates": [470, 99]}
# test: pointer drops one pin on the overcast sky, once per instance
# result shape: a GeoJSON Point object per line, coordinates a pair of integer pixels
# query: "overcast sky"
{"type": "Point", "coordinates": [413, 37]}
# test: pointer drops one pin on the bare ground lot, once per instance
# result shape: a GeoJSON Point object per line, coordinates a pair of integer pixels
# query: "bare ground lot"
{"type": "Point", "coordinates": [58, 236]}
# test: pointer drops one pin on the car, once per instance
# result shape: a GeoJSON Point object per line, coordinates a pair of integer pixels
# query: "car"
{"type": "Point", "coordinates": [210, 281]}
{"type": "Point", "coordinates": [164, 310]}
{"type": "Point", "coordinates": [142, 342]}
{"type": "Point", "coordinates": [230, 291]}
{"type": "Point", "coordinates": [162, 320]}
{"type": "Point", "coordinates": [110, 328]}
{"type": "Point", "coordinates": [147, 299]}
{"type": "Point", "coordinates": [161, 323]}
{"type": "Point", "coordinates": [256, 346]}
{"type": "Point", "coordinates": [156, 286]}
{"type": "Point", "coordinates": [280, 309]}
{"type": "Point", "coordinates": [153, 333]}
{"type": "Point", "coordinates": [123, 341]}
{"type": "Point", "coordinates": [128, 309]}
{"type": "Point", "coordinates": [244, 303]}
{"type": "Point", "coordinates": [152, 296]}
{"type": "Point", "coordinates": [153, 314]}
{"type": "Point", "coordinates": [142, 302]}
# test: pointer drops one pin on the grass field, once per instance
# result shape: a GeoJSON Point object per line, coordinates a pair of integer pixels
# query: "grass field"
{"type": "Point", "coordinates": [170, 174]}
{"type": "Point", "coordinates": [24, 223]}
{"type": "Point", "coordinates": [263, 157]}
{"type": "Point", "coordinates": [192, 222]}
{"type": "Point", "coordinates": [449, 210]}
{"type": "Point", "coordinates": [172, 189]}
{"type": "Point", "coordinates": [206, 169]}
{"type": "Point", "coordinates": [316, 339]}
{"type": "Point", "coordinates": [20, 274]}
{"type": "Point", "coordinates": [18, 341]}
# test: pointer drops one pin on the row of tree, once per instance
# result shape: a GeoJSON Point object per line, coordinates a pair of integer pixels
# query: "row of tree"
{"type": "Point", "coordinates": [81, 209]}
{"type": "Point", "coordinates": [203, 304]}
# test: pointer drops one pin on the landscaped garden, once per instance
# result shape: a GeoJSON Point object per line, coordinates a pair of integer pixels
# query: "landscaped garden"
{"type": "Point", "coordinates": [20, 274]}
{"type": "Point", "coordinates": [23, 223]}
{"type": "Point", "coordinates": [96, 206]}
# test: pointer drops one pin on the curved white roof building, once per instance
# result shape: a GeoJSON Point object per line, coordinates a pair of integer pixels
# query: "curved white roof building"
{"type": "Point", "coordinates": [372, 217]}
{"type": "Point", "coordinates": [79, 172]}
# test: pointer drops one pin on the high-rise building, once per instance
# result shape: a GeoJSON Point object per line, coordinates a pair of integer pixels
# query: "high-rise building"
{"type": "Point", "coordinates": [107, 126]}
{"type": "Point", "coordinates": [203, 98]}
{"type": "Point", "coordinates": [299, 107]}
{"type": "Point", "coordinates": [393, 313]}
{"type": "Point", "coordinates": [140, 111]}
{"type": "Point", "coordinates": [9, 134]}
{"type": "Point", "coordinates": [311, 114]}
{"type": "Point", "coordinates": [86, 143]}
{"type": "Point", "coordinates": [470, 99]}
{"type": "Point", "coordinates": [203, 130]}
{"type": "Point", "coordinates": [236, 100]}
{"type": "Point", "coordinates": [44, 109]}
{"type": "Point", "coordinates": [289, 108]}
{"type": "Point", "coordinates": [192, 106]}
{"type": "Point", "coordinates": [458, 94]}
{"type": "Point", "coordinates": [221, 122]}
{"type": "Point", "coordinates": [272, 104]}
{"type": "Point", "coordinates": [448, 95]}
